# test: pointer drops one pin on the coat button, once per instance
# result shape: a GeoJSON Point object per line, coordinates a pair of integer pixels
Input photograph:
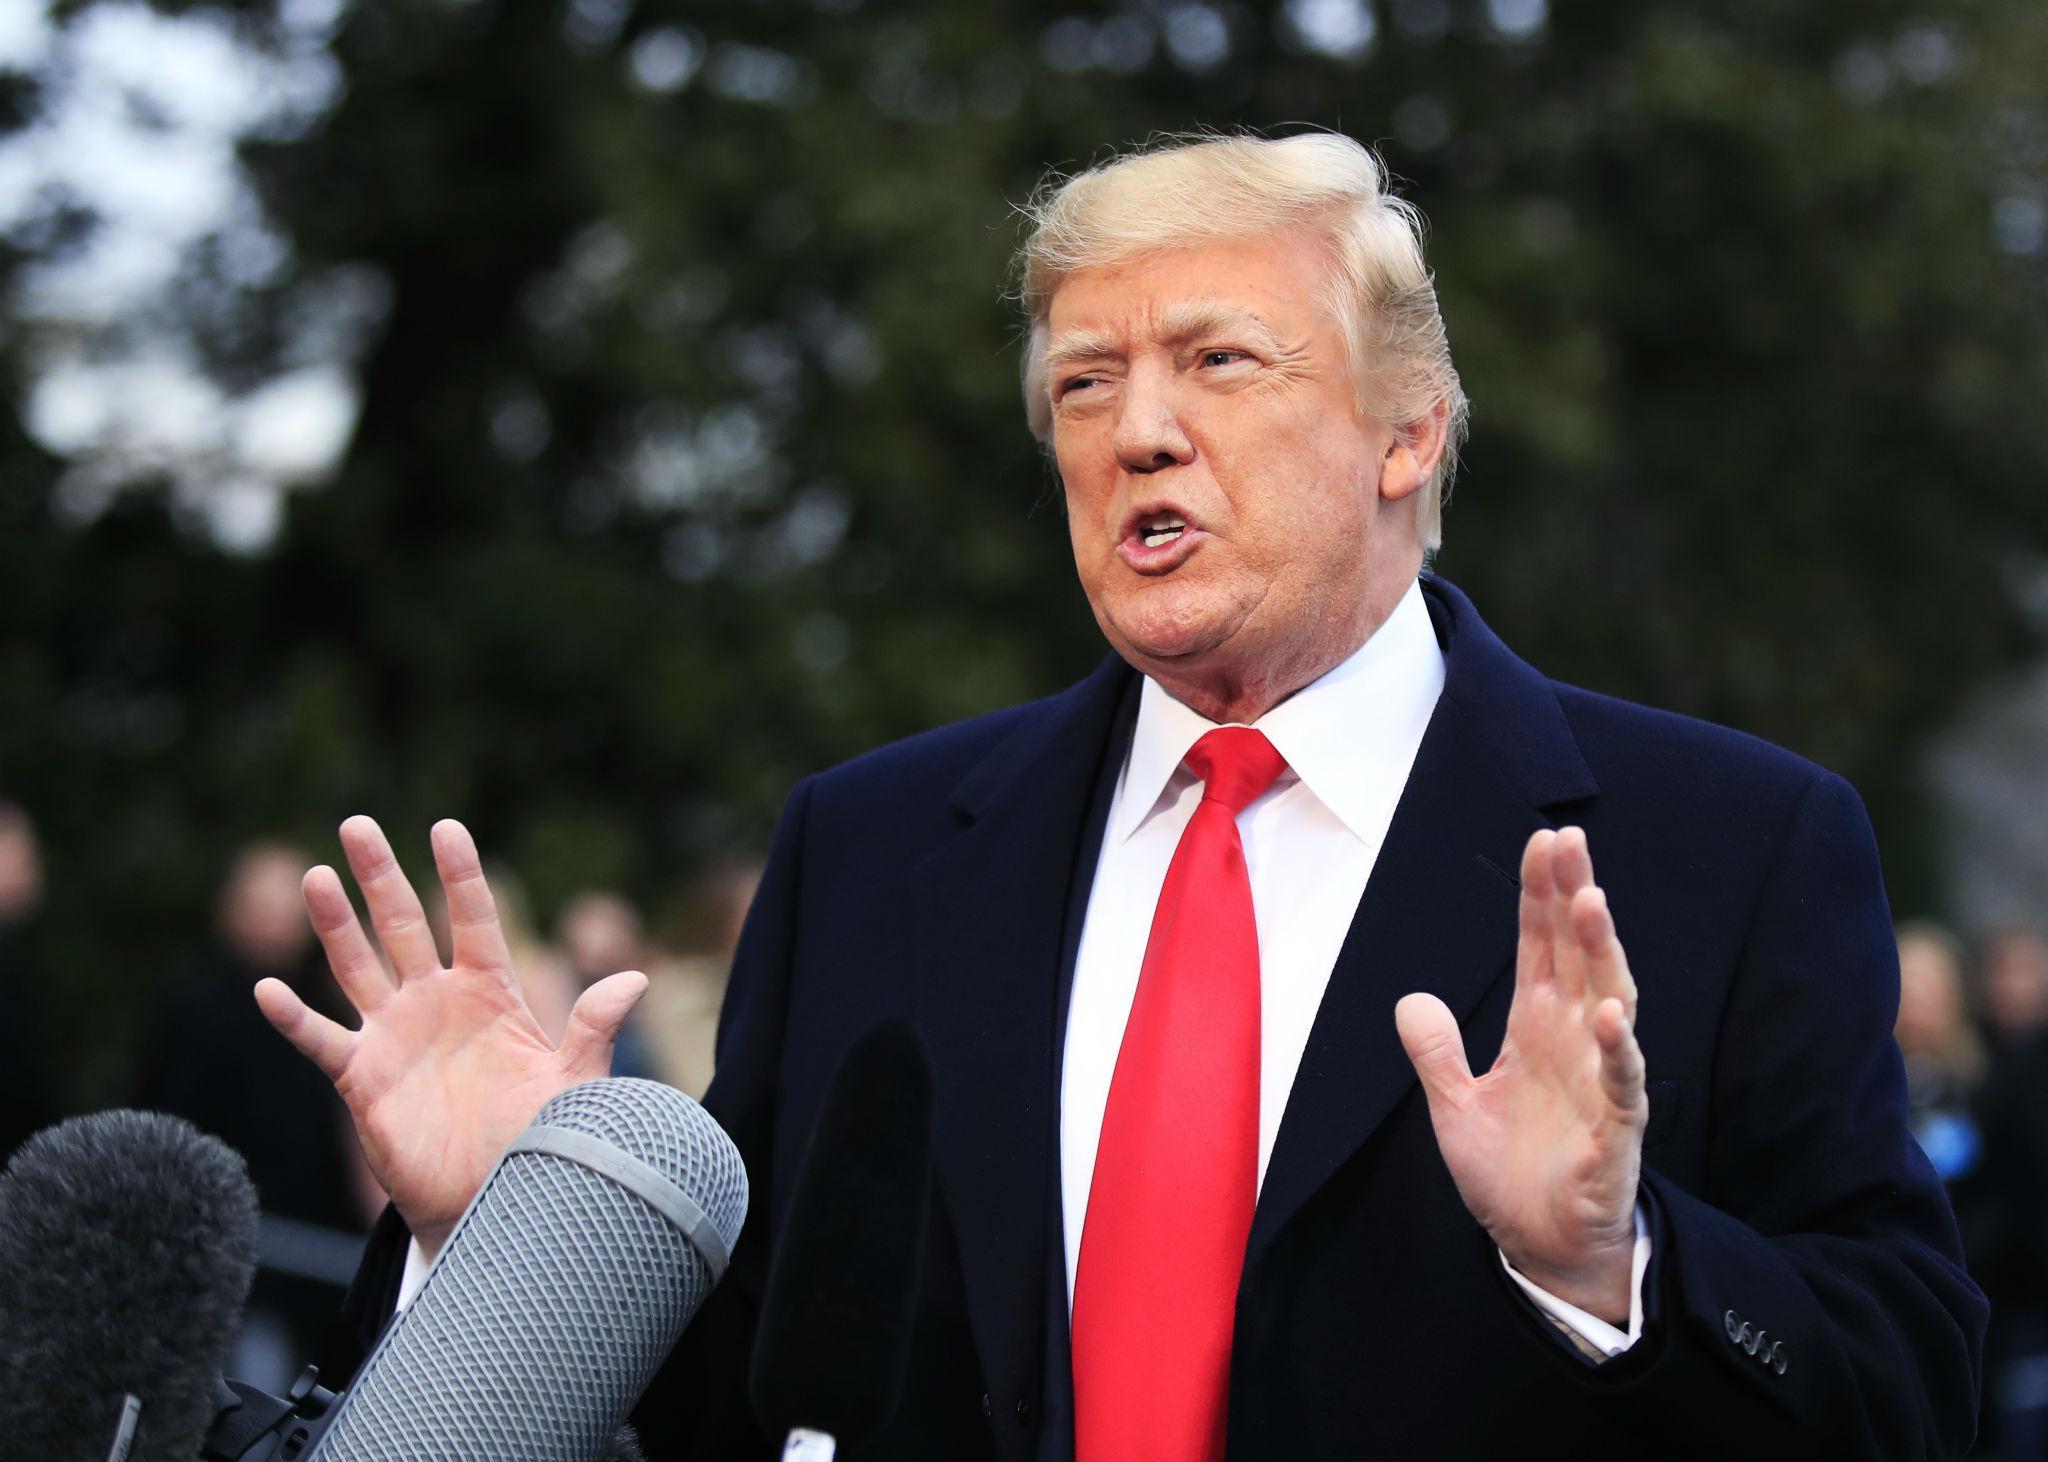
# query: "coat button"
{"type": "Point", "coordinates": [1755, 1343]}
{"type": "Point", "coordinates": [1778, 1360]}
{"type": "Point", "coordinates": [1732, 1325]}
{"type": "Point", "coordinates": [988, 1405]}
{"type": "Point", "coordinates": [1024, 1410]}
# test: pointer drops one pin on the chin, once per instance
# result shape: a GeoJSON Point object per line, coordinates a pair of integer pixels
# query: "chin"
{"type": "Point", "coordinates": [1177, 644]}
{"type": "Point", "coordinates": [1166, 623]}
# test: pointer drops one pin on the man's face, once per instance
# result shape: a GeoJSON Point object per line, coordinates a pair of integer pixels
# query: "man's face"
{"type": "Point", "coordinates": [1239, 525]}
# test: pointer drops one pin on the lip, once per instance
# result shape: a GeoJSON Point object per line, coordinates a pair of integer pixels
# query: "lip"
{"type": "Point", "coordinates": [1168, 556]}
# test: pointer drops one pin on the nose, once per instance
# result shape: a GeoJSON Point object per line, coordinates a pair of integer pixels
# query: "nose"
{"type": "Point", "coordinates": [1148, 432]}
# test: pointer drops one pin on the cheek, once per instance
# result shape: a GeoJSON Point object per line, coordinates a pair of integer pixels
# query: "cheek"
{"type": "Point", "coordinates": [1072, 459]}
{"type": "Point", "coordinates": [1344, 472]}
{"type": "Point", "coordinates": [1296, 492]}
{"type": "Point", "coordinates": [1083, 513]}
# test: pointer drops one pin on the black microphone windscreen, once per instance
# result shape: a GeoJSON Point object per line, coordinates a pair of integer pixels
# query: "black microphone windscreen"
{"type": "Point", "coordinates": [835, 1329]}
{"type": "Point", "coordinates": [127, 1247]}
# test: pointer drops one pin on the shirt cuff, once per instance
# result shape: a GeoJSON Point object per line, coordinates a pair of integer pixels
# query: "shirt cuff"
{"type": "Point", "coordinates": [1596, 1334]}
{"type": "Point", "coordinates": [417, 1264]}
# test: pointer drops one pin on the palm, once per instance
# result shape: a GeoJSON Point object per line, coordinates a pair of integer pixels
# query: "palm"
{"type": "Point", "coordinates": [1545, 1147]}
{"type": "Point", "coordinates": [449, 1064]}
{"type": "Point", "coordinates": [414, 1073]}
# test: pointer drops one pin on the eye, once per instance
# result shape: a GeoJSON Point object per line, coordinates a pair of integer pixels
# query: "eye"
{"type": "Point", "coordinates": [1222, 357]}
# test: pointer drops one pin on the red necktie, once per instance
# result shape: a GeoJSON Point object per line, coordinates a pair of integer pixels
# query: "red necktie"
{"type": "Point", "coordinates": [1177, 1169]}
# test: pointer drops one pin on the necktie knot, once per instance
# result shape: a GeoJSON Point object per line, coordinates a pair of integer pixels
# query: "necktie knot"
{"type": "Point", "coordinates": [1236, 764]}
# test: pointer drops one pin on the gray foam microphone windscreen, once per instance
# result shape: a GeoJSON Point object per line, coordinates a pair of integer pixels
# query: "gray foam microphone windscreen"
{"type": "Point", "coordinates": [561, 1290]}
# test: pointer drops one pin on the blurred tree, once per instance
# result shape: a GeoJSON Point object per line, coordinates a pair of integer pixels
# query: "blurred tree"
{"type": "Point", "coordinates": [689, 457]}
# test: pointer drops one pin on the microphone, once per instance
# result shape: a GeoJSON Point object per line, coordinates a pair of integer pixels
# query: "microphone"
{"type": "Point", "coordinates": [833, 1346]}
{"type": "Point", "coordinates": [562, 1289]}
{"type": "Point", "coordinates": [127, 1247]}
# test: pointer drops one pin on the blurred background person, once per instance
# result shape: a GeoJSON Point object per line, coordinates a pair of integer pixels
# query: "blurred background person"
{"type": "Point", "coordinates": [678, 1016]}
{"type": "Point", "coordinates": [599, 932]}
{"type": "Point", "coordinates": [26, 1090]}
{"type": "Point", "coordinates": [2008, 1250]}
{"type": "Point", "coordinates": [208, 1062]}
{"type": "Point", "coordinates": [1944, 1058]}
{"type": "Point", "coordinates": [2013, 986]}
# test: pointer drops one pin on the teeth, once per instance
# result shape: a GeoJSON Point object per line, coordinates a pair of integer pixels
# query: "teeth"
{"type": "Point", "coordinates": [1162, 529]}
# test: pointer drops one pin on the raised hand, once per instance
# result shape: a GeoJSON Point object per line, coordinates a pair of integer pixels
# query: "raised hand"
{"type": "Point", "coordinates": [449, 1065]}
{"type": "Point", "coordinates": [1546, 1148]}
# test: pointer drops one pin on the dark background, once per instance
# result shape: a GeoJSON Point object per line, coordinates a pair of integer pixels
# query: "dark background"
{"type": "Point", "coordinates": [689, 455]}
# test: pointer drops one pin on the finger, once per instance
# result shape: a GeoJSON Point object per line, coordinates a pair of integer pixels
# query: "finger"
{"type": "Point", "coordinates": [318, 1039]}
{"type": "Point", "coordinates": [594, 1024]}
{"type": "Point", "coordinates": [395, 911]}
{"type": "Point", "coordinates": [477, 936]}
{"type": "Point", "coordinates": [1607, 971]}
{"type": "Point", "coordinates": [1533, 963]}
{"type": "Point", "coordinates": [1621, 1059]}
{"type": "Point", "coordinates": [1571, 869]}
{"type": "Point", "coordinates": [357, 969]}
{"type": "Point", "coordinates": [1429, 1034]}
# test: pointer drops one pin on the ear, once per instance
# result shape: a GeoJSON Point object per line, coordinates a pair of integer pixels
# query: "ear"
{"type": "Point", "coordinates": [1412, 453]}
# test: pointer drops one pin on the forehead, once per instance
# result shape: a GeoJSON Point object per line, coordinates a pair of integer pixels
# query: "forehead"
{"type": "Point", "coordinates": [1276, 279]}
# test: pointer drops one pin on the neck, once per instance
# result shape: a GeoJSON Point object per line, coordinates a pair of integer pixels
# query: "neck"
{"type": "Point", "coordinates": [1240, 703]}
{"type": "Point", "coordinates": [1241, 694]}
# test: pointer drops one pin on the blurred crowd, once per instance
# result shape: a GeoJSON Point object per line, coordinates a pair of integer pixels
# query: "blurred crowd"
{"type": "Point", "coordinates": [1972, 1027]}
{"type": "Point", "coordinates": [209, 1055]}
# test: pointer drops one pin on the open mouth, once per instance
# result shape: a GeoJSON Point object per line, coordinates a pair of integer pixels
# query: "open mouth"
{"type": "Point", "coordinates": [1160, 529]}
{"type": "Point", "coordinates": [1158, 538]}
{"type": "Point", "coordinates": [1156, 524]}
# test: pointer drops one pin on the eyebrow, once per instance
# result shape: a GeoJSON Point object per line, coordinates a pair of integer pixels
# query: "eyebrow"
{"type": "Point", "coordinates": [1180, 323]}
{"type": "Point", "coordinates": [1077, 345]}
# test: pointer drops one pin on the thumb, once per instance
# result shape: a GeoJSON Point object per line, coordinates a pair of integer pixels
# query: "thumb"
{"type": "Point", "coordinates": [1429, 1034]}
{"type": "Point", "coordinates": [594, 1024]}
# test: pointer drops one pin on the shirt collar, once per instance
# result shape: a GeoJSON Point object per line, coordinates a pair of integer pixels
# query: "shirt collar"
{"type": "Point", "coordinates": [1339, 734]}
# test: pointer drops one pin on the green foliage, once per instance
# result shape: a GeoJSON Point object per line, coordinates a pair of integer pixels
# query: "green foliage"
{"type": "Point", "coordinates": [690, 457]}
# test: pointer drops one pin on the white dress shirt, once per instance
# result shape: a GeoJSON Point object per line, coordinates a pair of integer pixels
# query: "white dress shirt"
{"type": "Point", "coordinates": [1310, 843]}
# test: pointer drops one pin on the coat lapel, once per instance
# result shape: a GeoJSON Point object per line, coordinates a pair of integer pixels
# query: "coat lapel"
{"type": "Point", "coordinates": [993, 903]}
{"type": "Point", "coordinates": [1439, 912]}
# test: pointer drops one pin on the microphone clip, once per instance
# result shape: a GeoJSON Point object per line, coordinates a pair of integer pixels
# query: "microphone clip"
{"type": "Point", "coordinates": [251, 1425]}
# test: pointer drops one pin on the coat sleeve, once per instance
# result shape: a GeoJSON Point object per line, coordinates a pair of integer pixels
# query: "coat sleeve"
{"type": "Point", "coordinates": [697, 1405]}
{"type": "Point", "coordinates": [369, 1304]}
{"type": "Point", "coordinates": [1813, 1292]}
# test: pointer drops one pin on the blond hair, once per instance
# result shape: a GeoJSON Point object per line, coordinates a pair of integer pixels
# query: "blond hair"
{"type": "Point", "coordinates": [1177, 192]}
